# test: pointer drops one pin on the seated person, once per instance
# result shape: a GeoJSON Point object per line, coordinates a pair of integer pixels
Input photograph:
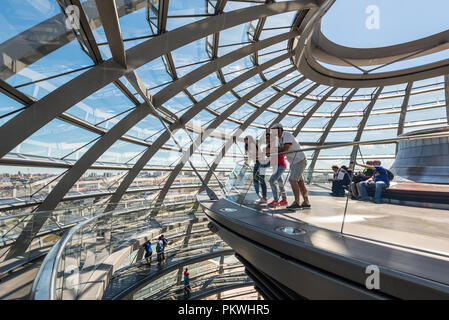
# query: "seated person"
{"type": "Point", "coordinates": [380, 181]}
{"type": "Point", "coordinates": [339, 181]}
{"type": "Point", "coordinates": [361, 176]}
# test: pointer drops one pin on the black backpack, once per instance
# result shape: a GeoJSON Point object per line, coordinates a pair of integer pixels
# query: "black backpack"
{"type": "Point", "coordinates": [390, 175]}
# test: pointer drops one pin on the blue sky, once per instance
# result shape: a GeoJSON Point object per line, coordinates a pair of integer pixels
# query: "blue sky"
{"type": "Point", "coordinates": [400, 21]}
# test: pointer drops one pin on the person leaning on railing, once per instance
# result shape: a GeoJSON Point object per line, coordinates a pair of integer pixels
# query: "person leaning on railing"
{"type": "Point", "coordinates": [279, 166]}
{"type": "Point", "coordinates": [380, 181]}
{"type": "Point", "coordinates": [298, 163]}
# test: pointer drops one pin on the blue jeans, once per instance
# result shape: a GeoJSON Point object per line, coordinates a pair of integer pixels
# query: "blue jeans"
{"type": "Point", "coordinates": [277, 177]}
{"type": "Point", "coordinates": [379, 185]}
{"type": "Point", "coordinates": [259, 180]}
{"type": "Point", "coordinates": [337, 188]}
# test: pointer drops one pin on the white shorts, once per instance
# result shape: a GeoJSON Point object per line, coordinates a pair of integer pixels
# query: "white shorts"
{"type": "Point", "coordinates": [297, 170]}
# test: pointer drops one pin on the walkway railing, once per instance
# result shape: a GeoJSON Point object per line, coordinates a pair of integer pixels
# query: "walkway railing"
{"type": "Point", "coordinates": [61, 219]}
{"type": "Point", "coordinates": [203, 284]}
{"type": "Point", "coordinates": [162, 285]}
{"type": "Point", "coordinates": [402, 219]}
{"type": "Point", "coordinates": [79, 252]}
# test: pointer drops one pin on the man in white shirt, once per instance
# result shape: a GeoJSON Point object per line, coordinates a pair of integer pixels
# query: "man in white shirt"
{"type": "Point", "coordinates": [298, 163]}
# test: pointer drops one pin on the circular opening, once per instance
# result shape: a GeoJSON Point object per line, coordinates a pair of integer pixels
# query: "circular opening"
{"type": "Point", "coordinates": [228, 210]}
{"type": "Point", "coordinates": [291, 230]}
{"type": "Point", "coordinates": [379, 23]}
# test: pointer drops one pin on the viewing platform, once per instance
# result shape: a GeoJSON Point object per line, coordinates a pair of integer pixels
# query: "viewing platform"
{"type": "Point", "coordinates": [336, 241]}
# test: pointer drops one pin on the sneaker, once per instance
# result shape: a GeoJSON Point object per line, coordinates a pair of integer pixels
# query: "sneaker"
{"type": "Point", "coordinates": [283, 202]}
{"type": "Point", "coordinates": [273, 203]}
{"type": "Point", "coordinates": [305, 206]}
{"type": "Point", "coordinates": [260, 201]}
{"type": "Point", "coordinates": [294, 206]}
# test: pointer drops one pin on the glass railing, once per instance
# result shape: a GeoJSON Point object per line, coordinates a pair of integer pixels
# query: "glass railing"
{"type": "Point", "coordinates": [413, 210]}
{"type": "Point", "coordinates": [207, 286]}
{"type": "Point", "coordinates": [59, 220]}
{"type": "Point", "coordinates": [71, 262]}
{"type": "Point", "coordinates": [199, 273]}
{"type": "Point", "coordinates": [177, 239]}
{"type": "Point", "coordinates": [181, 250]}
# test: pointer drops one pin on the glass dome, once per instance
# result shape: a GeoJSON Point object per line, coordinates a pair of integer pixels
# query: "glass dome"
{"type": "Point", "coordinates": [107, 99]}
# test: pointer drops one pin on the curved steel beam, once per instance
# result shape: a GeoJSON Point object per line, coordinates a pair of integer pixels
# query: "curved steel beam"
{"type": "Point", "coordinates": [309, 114]}
{"type": "Point", "coordinates": [109, 18]}
{"type": "Point", "coordinates": [404, 107]}
{"type": "Point", "coordinates": [165, 136]}
{"type": "Point", "coordinates": [332, 53]}
{"type": "Point", "coordinates": [73, 174]}
{"type": "Point", "coordinates": [213, 125]}
{"type": "Point", "coordinates": [243, 127]}
{"type": "Point", "coordinates": [308, 66]}
{"type": "Point", "coordinates": [167, 93]}
{"type": "Point", "coordinates": [294, 103]}
{"type": "Point", "coordinates": [43, 111]}
{"type": "Point", "coordinates": [329, 126]}
{"type": "Point", "coordinates": [315, 71]}
{"type": "Point", "coordinates": [42, 39]}
{"type": "Point", "coordinates": [362, 125]}
{"type": "Point", "coordinates": [86, 161]}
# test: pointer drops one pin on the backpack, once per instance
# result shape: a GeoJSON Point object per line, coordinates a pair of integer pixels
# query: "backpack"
{"type": "Point", "coordinates": [390, 175]}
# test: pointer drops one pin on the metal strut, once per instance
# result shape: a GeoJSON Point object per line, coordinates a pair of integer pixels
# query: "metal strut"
{"type": "Point", "coordinates": [211, 194]}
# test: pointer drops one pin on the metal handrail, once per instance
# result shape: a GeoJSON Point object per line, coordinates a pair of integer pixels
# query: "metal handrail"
{"type": "Point", "coordinates": [236, 275]}
{"type": "Point", "coordinates": [371, 142]}
{"type": "Point", "coordinates": [7, 217]}
{"type": "Point", "coordinates": [48, 270]}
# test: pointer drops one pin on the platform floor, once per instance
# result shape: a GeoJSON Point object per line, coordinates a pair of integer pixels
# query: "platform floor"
{"type": "Point", "coordinates": [17, 285]}
{"type": "Point", "coordinates": [419, 228]}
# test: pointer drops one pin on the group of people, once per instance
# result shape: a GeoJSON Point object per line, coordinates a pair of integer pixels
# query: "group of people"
{"type": "Point", "coordinates": [374, 176]}
{"type": "Point", "coordinates": [162, 242]}
{"type": "Point", "coordinates": [278, 142]}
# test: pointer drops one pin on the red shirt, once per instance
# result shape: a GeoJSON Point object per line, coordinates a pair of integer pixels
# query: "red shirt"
{"type": "Point", "coordinates": [281, 161]}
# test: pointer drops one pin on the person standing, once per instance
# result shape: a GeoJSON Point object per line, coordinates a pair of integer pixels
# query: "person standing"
{"type": "Point", "coordinates": [252, 151]}
{"type": "Point", "coordinates": [159, 249]}
{"type": "Point", "coordinates": [279, 166]}
{"type": "Point", "coordinates": [298, 163]}
{"type": "Point", "coordinates": [164, 244]}
{"type": "Point", "coordinates": [186, 284]}
{"type": "Point", "coordinates": [148, 251]}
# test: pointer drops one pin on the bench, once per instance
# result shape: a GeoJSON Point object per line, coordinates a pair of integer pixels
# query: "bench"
{"type": "Point", "coordinates": [415, 193]}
